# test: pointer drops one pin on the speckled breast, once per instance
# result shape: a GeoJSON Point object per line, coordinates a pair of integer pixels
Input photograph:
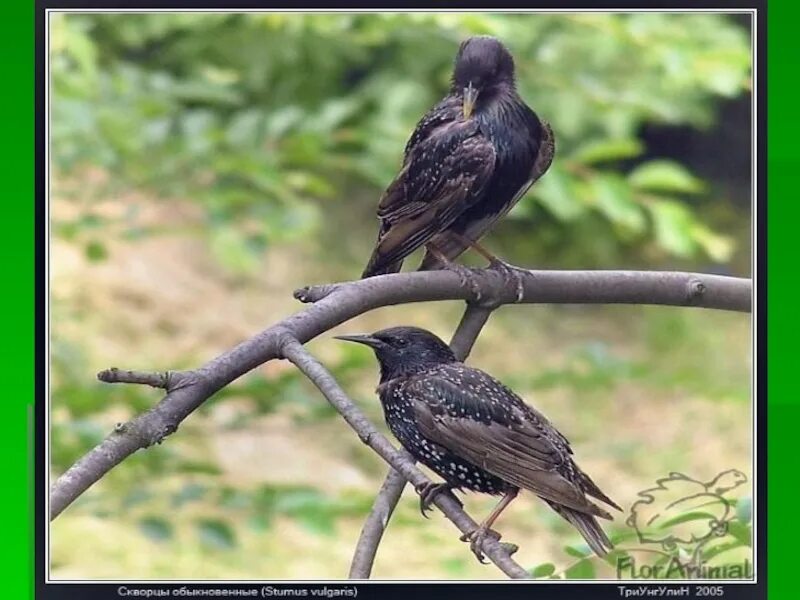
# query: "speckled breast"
{"type": "Point", "coordinates": [454, 470]}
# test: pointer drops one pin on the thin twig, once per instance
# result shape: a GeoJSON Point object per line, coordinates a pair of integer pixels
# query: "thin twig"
{"type": "Point", "coordinates": [497, 552]}
{"type": "Point", "coordinates": [469, 329]}
{"type": "Point", "coordinates": [337, 303]}
{"type": "Point", "coordinates": [163, 380]}
{"type": "Point", "coordinates": [376, 523]}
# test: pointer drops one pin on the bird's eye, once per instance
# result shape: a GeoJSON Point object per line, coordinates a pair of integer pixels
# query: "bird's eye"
{"type": "Point", "coordinates": [401, 342]}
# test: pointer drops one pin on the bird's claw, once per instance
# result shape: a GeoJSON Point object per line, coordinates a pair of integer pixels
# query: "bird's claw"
{"type": "Point", "coordinates": [428, 492]}
{"type": "Point", "coordinates": [468, 279]}
{"type": "Point", "coordinates": [476, 538]}
{"type": "Point", "coordinates": [510, 274]}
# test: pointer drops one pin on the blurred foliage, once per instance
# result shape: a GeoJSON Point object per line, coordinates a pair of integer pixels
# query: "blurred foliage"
{"type": "Point", "coordinates": [709, 558]}
{"type": "Point", "coordinates": [282, 127]}
{"type": "Point", "coordinates": [268, 120]}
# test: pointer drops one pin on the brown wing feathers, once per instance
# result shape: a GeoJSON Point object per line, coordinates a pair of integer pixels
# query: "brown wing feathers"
{"type": "Point", "coordinates": [518, 445]}
{"type": "Point", "coordinates": [443, 176]}
{"type": "Point", "coordinates": [525, 462]}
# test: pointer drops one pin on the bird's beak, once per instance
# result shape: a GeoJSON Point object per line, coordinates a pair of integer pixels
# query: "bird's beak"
{"type": "Point", "coordinates": [470, 96]}
{"type": "Point", "coordinates": [362, 338]}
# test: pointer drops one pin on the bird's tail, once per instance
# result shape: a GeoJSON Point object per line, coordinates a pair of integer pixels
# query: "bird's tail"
{"type": "Point", "coordinates": [376, 264]}
{"type": "Point", "coordinates": [374, 268]}
{"type": "Point", "coordinates": [587, 526]}
{"type": "Point", "coordinates": [590, 487]}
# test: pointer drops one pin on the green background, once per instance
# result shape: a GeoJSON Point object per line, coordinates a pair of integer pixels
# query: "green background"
{"type": "Point", "coordinates": [18, 299]}
{"type": "Point", "coordinates": [18, 240]}
{"type": "Point", "coordinates": [783, 409]}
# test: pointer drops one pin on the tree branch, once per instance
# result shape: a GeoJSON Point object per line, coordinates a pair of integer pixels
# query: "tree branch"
{"type": "Point", "coordinates": [552, 287]}
{"type": "Point", "coordinates": [468, 330]}
{"type": "Point", "coordinates": [498, 553]}
{"type": "Point", "coordinates": [166, 380]}
{"type": "Point", "coordinates": [375, 524]}
{"type": "Point", "coordinates": [337, 303]}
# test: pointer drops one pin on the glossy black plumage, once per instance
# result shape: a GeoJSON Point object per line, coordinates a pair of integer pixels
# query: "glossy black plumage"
{"type": "Point", "coordinates": [465, 165]}
{"type": "Point", "coordinates": [475, 432]}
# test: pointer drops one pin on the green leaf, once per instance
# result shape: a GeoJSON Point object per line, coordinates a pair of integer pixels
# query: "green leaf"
{"type": "Point", "coordinates": [716, 550]}
{"type": "Point", "coordinates": [577, 552]}
{"type": "Point", "coordinates": [321, 523]}
{"type": "Point", "coordinates": [543, 570]}
{"type": "Point", "coordinates": [726, 80]}
{"type": "Point", "coordinates": [621, 537]}
{"type": "Point", "coordinates": [614, 557]}
{"type": "Point", "coordinates": [243, 128]}
{"type": "Point", "coordinates": [260, 522]}
{"type": "Point", "coordinates": [96, 251]}
{"type": "Point", "coordinates": [673, 227]}
{"type": "Point", "coordinates": [665, 176]}
{"type": "Point", "coordinates": [685, 517]}
{"type": "Point", "coordinates": [614, 198]}
{"type": "Point", "coordinates": [741, 532]}
{"type": "Point", "coordinates": [556, 195]}
{"type": "Point", "coordinates": [235, 499]}
{"type": "Point", "coordinates": [188, 493]}
{"type": "Point", "coordinates": [155, 528]}
{"type": "Point", "coordinates": [83, 50]}
{"type": "Point", "coordinates": [457, 567]}
{"type": "Point", "coordinates": [718, 247]}
{"type": "Point", "coordinates": [332, 114]}
{"type": "Point", "coordinates": [135, 497]}
{"type": "Point", "coordinates": [299, 500]}
{"type": "Point", "coordinates": [192, 92]}
{"type": "Point", "coordinates": [608, 150]}
{"type": "Point", "coordinates": [583, 569]}
{"type": "Point", "coordinates": [201, 467]}
{"type": "Point", "coordinates": [310, 508]}
{"type": "Point", "coordinates": [666, 558]}
{"type": "Point", "coordinates": [216, 534]}
{"type": "Point", "coordinates": [744, 509]}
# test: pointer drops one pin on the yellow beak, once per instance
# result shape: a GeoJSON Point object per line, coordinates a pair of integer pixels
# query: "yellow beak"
{"type": "Point", "coordinates": [470, 96]}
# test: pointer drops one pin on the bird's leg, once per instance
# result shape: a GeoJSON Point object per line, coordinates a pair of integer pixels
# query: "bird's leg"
{"type": "Point", "coordinates": [476, 537]}
{"type": "Point", "coordinates": [465, 274]}
{"type": "Point", "coordinates": [510, 272]}
{"type": "Point", "coordinates": [428, 492]}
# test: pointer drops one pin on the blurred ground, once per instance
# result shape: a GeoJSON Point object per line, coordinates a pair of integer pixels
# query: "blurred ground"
{"type": "Point", "coordinates": [264, 482]}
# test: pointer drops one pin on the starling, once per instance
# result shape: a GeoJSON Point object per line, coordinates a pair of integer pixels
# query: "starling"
{"type": "Point", "coordinates": [468, 162]}
{"type": "Point", "coordinates": [477, 434]}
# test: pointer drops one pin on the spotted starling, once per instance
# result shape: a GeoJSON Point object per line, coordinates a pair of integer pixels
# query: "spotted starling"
{"type": "Point", "coordinates": [468, 162]}
{"type": "Point", "coordinates": [477, 434]}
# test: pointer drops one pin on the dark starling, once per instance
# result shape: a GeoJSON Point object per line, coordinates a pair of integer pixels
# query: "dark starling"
{"type": "Point", "coordinates": [477, 434]}
{"type": "Point", "coordinates": [470, 159]}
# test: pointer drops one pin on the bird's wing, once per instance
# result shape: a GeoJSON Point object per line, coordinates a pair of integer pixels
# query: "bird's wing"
{"type": "Point", "coordinates": [443, 176]}
{"type": "Point", "coordinates": [452, 243]}
{"type": "Point", "coordinates": [484, 422]}
{"type": "Point", "coordinates": [446, 111]}
{"type": "Point", "coordinates": [430, 130]}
